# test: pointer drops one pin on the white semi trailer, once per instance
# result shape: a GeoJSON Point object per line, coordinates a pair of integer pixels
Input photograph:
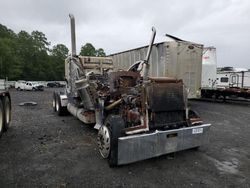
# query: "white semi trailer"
{"type": "Point", "coordinates": [209, 67]}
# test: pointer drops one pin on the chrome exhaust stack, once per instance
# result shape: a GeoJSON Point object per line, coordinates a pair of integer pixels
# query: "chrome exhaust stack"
{"type": "Point", "coordinates": [146, 60]}
{"type": "Point", "coordinates": [73, 35]}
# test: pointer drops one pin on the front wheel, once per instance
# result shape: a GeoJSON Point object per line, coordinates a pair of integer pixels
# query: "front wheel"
{"type": "Point", "coordinates": [103, 140]}
{"type": "Point", "coordinates": [108, 138]}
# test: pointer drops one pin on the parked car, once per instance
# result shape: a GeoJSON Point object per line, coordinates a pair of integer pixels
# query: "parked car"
{"type": "Point", "coordinates": [34, 86]}
{"type": "Point", "coordinates": [54, 84]}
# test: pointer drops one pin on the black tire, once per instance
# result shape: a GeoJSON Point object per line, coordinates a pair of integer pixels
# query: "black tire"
{"type": "Point", "coordinates": [115, 124]}
{"type": "Point", "coordinates": [1, 118]}
{"type": "Point", "coordinates": [60, 110]}
{"type": "Point", "coordinates": [7, 112]}
{"type": "Point", "coordinates": [33, 89]}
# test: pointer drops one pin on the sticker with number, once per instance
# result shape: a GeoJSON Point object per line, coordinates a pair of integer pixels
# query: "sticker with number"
{"type": "Point", "coordinates": [197, 131]}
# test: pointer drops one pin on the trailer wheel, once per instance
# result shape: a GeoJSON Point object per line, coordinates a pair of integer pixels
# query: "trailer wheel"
{"type": "Point", "coordinates": [1, 118]}
{"type": "Point", "coordinates": [7, 112]}
{"type": "Point", "coordinates": [60, 110]}
{"type": "Point", "coordinates": [108, 138]}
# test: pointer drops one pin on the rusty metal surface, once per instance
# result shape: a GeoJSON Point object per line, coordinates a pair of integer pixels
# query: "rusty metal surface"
{"type": "Point", "coordinates": [164, 79]}
{"type": "Point", "coordinates": [166, 97]}
{"type": "Point", "coordinates": [122, 79]}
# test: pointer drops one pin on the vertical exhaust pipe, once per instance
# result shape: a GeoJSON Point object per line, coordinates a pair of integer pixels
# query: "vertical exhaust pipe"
{"type": "Point", "coordinates": [146, 60]}
{"type": "Point", "coordinates": [150, 45]}
{"type": "Point", "coordinates": [73, 35]}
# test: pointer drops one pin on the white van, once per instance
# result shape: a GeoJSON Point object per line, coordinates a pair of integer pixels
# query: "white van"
{"type": "Point", "coordinates": [19, 85]}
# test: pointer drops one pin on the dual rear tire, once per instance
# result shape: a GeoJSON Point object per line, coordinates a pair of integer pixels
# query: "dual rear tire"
{"type": "Point", "coordinates": [57, 105]}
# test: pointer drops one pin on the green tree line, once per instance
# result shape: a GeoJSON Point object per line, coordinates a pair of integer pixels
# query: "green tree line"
{"type": "Point", "coordinates": [28, 56]}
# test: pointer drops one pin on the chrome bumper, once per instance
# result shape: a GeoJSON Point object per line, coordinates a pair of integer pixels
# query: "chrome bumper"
{"type": "Point", "coordinates": [144, 146]}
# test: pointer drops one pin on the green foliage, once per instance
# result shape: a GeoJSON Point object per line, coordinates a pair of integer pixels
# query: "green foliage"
{"type": "Point", "coordinates": [27, 56]}
{"type": "Point", "coordinates": [5, 32]}
{"type": "Point", "coordinates": [58, 55]}
{"type": "Point", "coordinates": [89, 50]}
{"type": "Point", "coordinates": [100, 52]}
{"type": "Point", "coordinates": [60, 50]}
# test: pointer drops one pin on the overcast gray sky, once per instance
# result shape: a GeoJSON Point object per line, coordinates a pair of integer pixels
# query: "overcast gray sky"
{"type": "Point", "coordinates": [120, 25]}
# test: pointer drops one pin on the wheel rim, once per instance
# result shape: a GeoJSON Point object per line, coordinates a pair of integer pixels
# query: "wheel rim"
{"type": "Point", "coordinates": [103, 141]}
{"type": "Point", "coordinates": [57, 105]}
{"type": "Point", "coordinates": [7, 109]}
{"type": "Point", "coordinates": [54, 103]}
{"type": "Point", "coordinates": [1, 120]}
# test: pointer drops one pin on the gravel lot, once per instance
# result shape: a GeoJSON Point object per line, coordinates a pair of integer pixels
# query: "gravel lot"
{"type": "Point", "coordinates": [44, 150]}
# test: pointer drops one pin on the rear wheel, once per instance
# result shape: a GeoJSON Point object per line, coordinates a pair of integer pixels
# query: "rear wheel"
{"type": "Point", "coordinates": [60, 110]}
{"type": "Point", "coordinates": [1, 118]}
{"type": "Point", "coordinates": [7, 112]}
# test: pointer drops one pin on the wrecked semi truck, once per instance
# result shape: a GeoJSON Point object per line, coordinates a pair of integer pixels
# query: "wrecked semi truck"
{"type": "Point", "coordinates": [138, 116]}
